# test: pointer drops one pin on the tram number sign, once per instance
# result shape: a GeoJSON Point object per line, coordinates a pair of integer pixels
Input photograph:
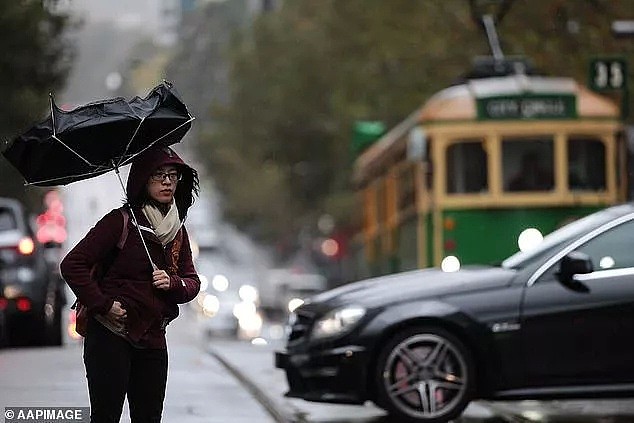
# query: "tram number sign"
{"type": "Point", "coordinates": [526, 107]}
{"type": "Point", "coordinates": [608, 74]}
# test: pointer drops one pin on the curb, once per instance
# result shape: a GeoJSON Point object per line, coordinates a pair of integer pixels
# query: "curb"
{"type": "Point", "coordinates": [276, 412]}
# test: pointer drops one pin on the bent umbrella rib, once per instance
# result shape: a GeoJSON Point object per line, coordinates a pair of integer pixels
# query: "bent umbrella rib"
{"type": "Point", "coordinates": [128, 159]}
{"type": "Point", "coordinates": [98, 169]}
{"type": "Point", "coordinates": [73, 151]}
{"type": "Point", "coordinates": [127, 147]}
{"type": "Point", "coordinates": [190, 120]}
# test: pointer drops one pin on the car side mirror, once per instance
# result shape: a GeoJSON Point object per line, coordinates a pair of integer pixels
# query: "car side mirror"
{"type": "Point", "coordinates": [574, 263]}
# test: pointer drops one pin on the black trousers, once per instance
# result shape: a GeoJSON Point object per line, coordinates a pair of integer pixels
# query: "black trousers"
{"type": "Point", "coordinates": [115, 368]}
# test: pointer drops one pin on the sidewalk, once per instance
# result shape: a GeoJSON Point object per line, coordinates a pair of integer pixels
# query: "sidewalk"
{"type": "Point", "coordinates": [199, 388]}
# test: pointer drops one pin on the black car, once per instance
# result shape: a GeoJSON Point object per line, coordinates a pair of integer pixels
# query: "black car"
{"type": "Point", "coordinates": [31, 290]}
{"type": "Point", "coordinates": [553, 322]}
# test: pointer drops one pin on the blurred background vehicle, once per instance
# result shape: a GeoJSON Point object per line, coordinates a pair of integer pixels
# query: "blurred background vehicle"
{"type": "Point", "coordinates": [229, 297]}
{"type": "Point", "coordinates": [32, 291]}
{"type": "Point", "coordinates": [518, 155]}
{"type": "Point", "coordinates": [286, 289]}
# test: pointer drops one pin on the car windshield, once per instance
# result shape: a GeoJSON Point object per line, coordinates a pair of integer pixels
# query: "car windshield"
{"type": "Point", "coordinates": [564, 235]}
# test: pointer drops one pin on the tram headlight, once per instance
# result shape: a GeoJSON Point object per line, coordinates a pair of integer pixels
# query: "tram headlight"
{"type": "Point", "coordinates": [450, 264]}
{"type": "Point", "coordinates": [529, 239]}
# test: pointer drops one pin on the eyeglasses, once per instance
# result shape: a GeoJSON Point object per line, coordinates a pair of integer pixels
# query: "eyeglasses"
{"type": "Point", "coordinates": [172, 176]}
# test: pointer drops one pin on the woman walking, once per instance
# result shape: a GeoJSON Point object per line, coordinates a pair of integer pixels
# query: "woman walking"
{"type": "Point", "coordinates": [129, 299]}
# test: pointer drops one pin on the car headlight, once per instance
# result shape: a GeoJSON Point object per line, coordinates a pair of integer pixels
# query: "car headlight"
{"type": "Point", "coordinates": [337, 322]}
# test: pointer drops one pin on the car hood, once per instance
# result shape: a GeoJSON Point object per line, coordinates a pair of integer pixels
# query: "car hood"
{"type": "Point", "coordinates": [418, 284]}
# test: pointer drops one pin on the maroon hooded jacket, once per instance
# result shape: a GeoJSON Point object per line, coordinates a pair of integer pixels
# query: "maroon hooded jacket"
{"type": "Point", "coordinates": [128, 279]}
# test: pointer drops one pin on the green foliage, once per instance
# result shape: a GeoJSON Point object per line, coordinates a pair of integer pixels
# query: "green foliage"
{"type": "Point", "coordinates": [36, 56]}
{"type": "Point", "coordinates": [301, 76]}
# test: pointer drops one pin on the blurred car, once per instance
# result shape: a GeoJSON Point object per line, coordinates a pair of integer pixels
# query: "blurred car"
{"type": "Point", "coordinates": [227, 302]}
{"type": "Point", "coordinates": [31, 291]}
{"type": "Point", "coordinates": [299, 288]}
{"type": "Point", "coordinates": [551, 322]}
{"type": "Point", "coordinates": [282, 290]}
{"type": "Point", "coordinates": [226, 313]}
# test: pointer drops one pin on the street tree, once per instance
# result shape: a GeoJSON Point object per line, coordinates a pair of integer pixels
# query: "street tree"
{"type": "Point", "coordinates": [36, 57]}
{"type": "Point", "coordinates": [302, 75]}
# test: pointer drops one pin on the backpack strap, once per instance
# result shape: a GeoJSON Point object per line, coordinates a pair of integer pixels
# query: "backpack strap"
{"type": "Point", "coordinates": [124, 231]}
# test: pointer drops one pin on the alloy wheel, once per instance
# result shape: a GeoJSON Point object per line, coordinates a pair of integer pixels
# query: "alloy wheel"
{"type": "Point", "coordinates": [425, 376]}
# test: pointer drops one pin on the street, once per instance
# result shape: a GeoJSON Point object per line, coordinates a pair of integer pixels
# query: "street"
{"type": "Point", "coordinates": [439, 192]}
{"type": "Point", "coordinates": [227, 380]}
{"type": "Point", "coordinates": [257, 363]}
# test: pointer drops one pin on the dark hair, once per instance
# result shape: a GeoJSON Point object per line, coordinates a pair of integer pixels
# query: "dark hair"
{"type": "Point", "coordinates": [186, 192]}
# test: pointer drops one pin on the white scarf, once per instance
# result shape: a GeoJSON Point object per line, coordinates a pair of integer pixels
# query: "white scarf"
{"type": "Point", "coordinates": [165, 227]}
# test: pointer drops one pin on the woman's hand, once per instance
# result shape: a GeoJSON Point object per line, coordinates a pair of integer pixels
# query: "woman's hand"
{"type": "Point", "coordinates": [161, 280]}
{"type": "Point", "coordinates": [117, 315]}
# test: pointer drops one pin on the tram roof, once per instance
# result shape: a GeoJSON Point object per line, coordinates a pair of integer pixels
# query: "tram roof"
{"type": "Point", "coordinates": [459, 103]}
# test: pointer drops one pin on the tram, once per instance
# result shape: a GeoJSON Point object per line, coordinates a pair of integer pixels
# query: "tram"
{"type": "Point", "coordinates": [484, 168]}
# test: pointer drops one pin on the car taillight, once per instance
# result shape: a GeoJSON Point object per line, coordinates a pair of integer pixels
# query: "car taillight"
{"type": "Point", "coordinates": [26, 246]}
{"type": "Point", "coordinates": [3, 303]}
{"type": "Point", "coordinates": [23, 304]}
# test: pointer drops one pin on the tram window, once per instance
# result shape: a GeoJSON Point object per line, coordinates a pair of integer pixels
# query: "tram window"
{"type": "Point", "coordinates": [586, 164]}
{"type": "Point", "coordinates": [407, 188]}
{"type": "Point", "coordinates": [528, 164]}
{"type": "Point", "coordinates": [466, 168]}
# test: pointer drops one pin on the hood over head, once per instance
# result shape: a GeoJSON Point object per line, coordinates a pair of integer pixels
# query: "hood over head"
{"type": "Point", "coordinates": [143, 167]}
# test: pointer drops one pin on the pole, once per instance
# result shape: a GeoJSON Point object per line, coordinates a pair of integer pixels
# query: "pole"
{"type": "Point", "coordinates": [492, 36]}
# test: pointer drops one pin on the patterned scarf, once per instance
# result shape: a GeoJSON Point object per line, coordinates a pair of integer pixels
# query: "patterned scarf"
{"type": "Point", "coordinates": [165, 227]}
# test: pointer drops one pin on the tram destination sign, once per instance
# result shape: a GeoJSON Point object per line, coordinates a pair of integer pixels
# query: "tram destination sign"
{"type": "Point", "coordinates": [527, 107]}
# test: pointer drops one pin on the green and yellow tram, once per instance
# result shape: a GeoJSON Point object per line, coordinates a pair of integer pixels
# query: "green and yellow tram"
{"type": "Point", "coordinates": [484, 168]}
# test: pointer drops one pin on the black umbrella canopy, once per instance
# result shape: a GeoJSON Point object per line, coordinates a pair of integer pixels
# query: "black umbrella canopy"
{"type": "Point", "coordinates": [98, 137]}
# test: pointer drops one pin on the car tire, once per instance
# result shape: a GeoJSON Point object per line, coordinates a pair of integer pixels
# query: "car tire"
{"type": "Point", "coordinates": [425, 374]}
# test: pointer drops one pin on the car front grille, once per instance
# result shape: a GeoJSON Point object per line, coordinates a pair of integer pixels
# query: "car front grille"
{"type": "Point", "coordinates": [300, 325]}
